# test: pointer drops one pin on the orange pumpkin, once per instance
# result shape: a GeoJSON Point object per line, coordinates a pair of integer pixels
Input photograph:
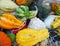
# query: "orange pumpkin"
{"type": "Point", "coordinates": [24, 2]}
{"type": "Point", "coordinates": [4, 39]}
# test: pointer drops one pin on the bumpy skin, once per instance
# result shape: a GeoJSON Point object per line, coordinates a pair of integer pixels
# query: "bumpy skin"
{"type": "Point", "coordinates": [9, 21]}
{"type": "Point", "coordinates": [4, 39]}
{"type": "Point", "coordinates": [30, 37]}
{"type": "Point", "coordinates": [24, 13]}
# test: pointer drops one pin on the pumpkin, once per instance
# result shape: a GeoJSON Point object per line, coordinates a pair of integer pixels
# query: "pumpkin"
{"type": "Point", "coordinates": [9, 21]}
{"type": "Point", "coordinates": [30, 37]}
{"type": "Point", "coordinates": [36, 24]}
{"type": "Point", "coordinates": [4, 39]}
{"type": "Point", "coordinates": [24, 2]}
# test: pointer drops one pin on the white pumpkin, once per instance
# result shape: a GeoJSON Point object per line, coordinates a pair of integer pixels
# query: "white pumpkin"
{"type": "Point", "coordinates": [36, 23]}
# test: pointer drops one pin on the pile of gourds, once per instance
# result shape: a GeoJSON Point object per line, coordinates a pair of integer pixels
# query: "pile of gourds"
{"type": "Point", "coordinates": [26, 23]}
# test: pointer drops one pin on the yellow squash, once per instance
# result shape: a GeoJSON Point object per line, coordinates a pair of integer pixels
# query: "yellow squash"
{"type": "Point", "coordinates": [30, 37]}
{"type": "Point", "coordinates": [56, 23]}
{"type": "Point", "coordinates": [9, 21]}
{"type": "Point", "coordinates": [57, 19]}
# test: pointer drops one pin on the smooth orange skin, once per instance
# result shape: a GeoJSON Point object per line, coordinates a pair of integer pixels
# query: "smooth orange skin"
{"type": "Point", "coordinates": [4, 39]}
{"type": "Point", "coordinates": [23, 2]}
{"type": "Point", "coordinates": [19, 2]}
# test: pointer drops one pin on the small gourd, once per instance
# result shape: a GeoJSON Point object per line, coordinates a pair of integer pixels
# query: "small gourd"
{"type": "Point", "coordinates": [30, 37]}
{"type": "Point", "coordinates": [9, 21]}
